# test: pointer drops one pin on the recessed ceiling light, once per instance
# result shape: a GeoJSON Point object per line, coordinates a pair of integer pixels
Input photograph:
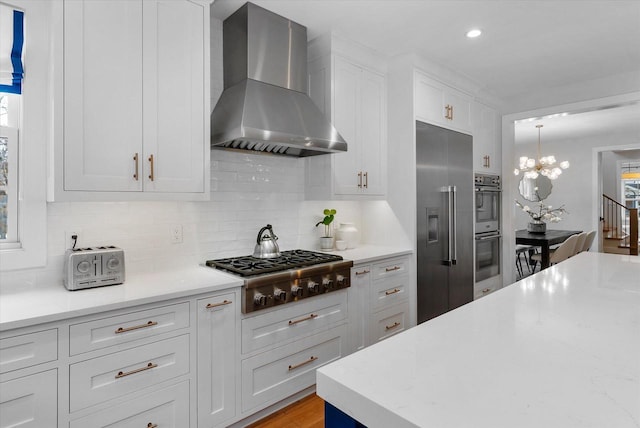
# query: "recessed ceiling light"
{"type": "Point", "coordinates": [473, 33]}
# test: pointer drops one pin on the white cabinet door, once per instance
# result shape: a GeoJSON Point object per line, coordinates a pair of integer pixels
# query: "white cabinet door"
{"type": "Point", "coordinates": [30, 401]}
{"type": "Point", "coordinates": [486, 144]}
{"type": "Point", "coordinates": [359, 307]}
{"type": "Point", "coordinates": [217, 335]}
{"type": "Point", "coordinates": [346, 119]}
{"type": "Point", "coordinates": [102, 94]}
{"type": "Point", "coordinates": [174, 96]}
{"type": "Point", "coordinates": [373, 132]}
{"type": "Point", "coordinates": [441, 105]}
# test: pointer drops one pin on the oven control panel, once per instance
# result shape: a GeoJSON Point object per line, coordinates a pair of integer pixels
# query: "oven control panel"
{"type": "Point", "coordinates": [93, 267]}
{"type": "Point", "coordinates": [279, 289]}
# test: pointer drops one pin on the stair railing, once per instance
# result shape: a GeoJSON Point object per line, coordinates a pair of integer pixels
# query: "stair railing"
{"type": "Point", "coordinates": [621, 221]}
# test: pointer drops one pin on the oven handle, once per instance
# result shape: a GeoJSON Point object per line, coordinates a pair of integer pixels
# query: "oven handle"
{"type": "Point", "coordinates": [487, 238]}
{"type": "Point", "coordinates": [488, 189]}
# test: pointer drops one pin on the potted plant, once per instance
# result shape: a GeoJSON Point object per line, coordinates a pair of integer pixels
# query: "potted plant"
{"type": "Point", "coordinates": [326, 241]}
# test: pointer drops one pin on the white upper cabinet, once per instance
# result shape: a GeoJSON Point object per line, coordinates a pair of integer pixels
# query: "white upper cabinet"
{"type": "Point", "coordinates": [442, 105]}
{"type": "Point", "coordinates": [353, 96]}
{"type": "Point", "coordinates": [134, 96]}
{"type": "Point", "coordinates": [486, 142]}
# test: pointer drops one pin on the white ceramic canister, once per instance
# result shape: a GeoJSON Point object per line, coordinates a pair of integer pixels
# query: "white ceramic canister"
{"type": "Point", "coordinates": [349, 233]}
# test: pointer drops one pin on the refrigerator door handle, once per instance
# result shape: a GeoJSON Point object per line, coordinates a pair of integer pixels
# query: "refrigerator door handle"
{"type": "Point", "coordinates": [451, 225]}
{"type": "Point", "coordinates": [452, 238]}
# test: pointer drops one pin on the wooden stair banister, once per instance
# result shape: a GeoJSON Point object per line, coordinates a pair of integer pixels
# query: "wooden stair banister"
{"type": "Point", "coordinates": [614, 216]}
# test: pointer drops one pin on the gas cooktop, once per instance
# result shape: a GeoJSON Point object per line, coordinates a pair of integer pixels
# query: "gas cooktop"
{"type": "Point", "coordinates": [293, 259]}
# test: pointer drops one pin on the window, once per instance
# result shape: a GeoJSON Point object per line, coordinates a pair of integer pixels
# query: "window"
{"type": "Point", "coordinates": [24, 135]}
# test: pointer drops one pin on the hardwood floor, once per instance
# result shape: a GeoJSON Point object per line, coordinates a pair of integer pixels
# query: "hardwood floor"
{"type": "Point", "coordinates": [305, 413]}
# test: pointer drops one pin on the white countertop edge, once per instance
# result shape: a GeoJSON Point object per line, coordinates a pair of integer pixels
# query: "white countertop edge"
{"type": "Point", "coordinates": [45, 304]}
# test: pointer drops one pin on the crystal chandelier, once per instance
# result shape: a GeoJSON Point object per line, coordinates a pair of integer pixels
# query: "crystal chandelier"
{"type": "Point", "coordinates": [545, 165]}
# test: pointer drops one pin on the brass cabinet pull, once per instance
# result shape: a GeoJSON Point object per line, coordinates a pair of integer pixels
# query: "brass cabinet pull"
{"type": "Point", "coordinates": [486, 290]}
{"type": "Point", "coordinates": [366, 180]}
{"type": "Point", "coordinates": [392, 269]}
{"type": "Point", "coordinates": [310, 317]}
{"type": "Point", "coordinates": [360, 180]}
{"type": "Point", "coordinates": [451, 114]}
{"type": "Point", "coordinates": [215, 305]}
{"type": "Point", "coordinates": [152, 425]}
{"type": "Point", "coordinates": [135, 327]}
{"type": "Point", "coordinates": [364, 272]}
{"type": "Point", "coordinates": [394, 325]}
{"type": "Point", "coordinates": [394, 291]}
{"type": "Point", "coordinates": [310, 360]}
{"type": "Point", "coordinates": [448, 112]}
{"type": "Point", "coordinates": [151, 175]}
{"type": "Point", "coordinates": [135, 160]}
{"type": "Point", "coordinates": [141, 369]}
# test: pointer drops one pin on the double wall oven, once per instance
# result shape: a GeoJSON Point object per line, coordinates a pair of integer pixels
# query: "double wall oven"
{"type": "Point", "coordinates": [488, 194]}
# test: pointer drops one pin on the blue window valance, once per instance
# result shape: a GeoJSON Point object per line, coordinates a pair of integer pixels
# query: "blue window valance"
{"type": "Point", "coordinates": [11, 44]}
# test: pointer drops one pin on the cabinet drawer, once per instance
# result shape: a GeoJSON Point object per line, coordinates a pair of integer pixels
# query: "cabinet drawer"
{"type": "Point", "coordinates": [27, 350]}
{"type": "Point", "coordinates": [30, 401]}
{"type": "Point", "coordinates": [390, 268]}
{"type": "Point", "coordinates": [480, 290]}
{"type": "Point", "coordinates": [271, 376]}
{"type": "Point", "coordinates": [105, 332]}
{"type": "Point", "coordinates": [389, 292]}
{"type": "Point", "coordinates": [168, 407]}
{"type": "Point", "coordinates": [388, 322]}
{"type": "Point", "coordinates": [293, 322]}
{"type": "Point", "coordinates": [103, 378]}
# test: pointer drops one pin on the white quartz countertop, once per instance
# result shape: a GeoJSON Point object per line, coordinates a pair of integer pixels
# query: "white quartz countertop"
{"type": "Point", "coordinates": [30, 305]}
{"type": "Point", "coordinates": [558, 349]}
{"type": "Point", "coordinates": [371, 253]}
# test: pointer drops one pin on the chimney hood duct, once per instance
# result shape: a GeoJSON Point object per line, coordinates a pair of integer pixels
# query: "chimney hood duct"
{"type": "Point", "coordinates": [265, 106]}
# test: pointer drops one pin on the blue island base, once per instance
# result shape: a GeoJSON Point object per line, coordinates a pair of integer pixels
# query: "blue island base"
{"type": "Point", "coordinates": [334, 418]}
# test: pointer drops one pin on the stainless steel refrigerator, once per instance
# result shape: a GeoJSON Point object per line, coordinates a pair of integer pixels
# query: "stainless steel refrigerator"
{"type": "Point", "coordinates": [444, 172]}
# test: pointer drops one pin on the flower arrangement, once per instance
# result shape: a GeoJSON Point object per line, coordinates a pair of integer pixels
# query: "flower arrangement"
{"type": "Point", "coordinates": [544, 212]}
{"type": "Point", "coordinates": [329, 215]}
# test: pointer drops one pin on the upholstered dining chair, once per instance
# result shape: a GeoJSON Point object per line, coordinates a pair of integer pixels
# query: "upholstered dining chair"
{"type": "Point", "coordinates": [580, 243]}
{"type": "Point", "coordinates": [588, 241]}
{"type": "Point", "coordinates": [563, 252]}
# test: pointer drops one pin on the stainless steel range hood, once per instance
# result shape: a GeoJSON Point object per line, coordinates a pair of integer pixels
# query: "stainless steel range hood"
{"type": "Point", "coordinates": [265, 106]}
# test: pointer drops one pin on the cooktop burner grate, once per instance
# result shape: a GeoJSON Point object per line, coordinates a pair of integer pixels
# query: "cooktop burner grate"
{"type": "Point", "coordinates": [249, 265]}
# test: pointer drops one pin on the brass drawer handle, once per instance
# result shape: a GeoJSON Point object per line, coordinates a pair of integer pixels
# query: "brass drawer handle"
{"type": "Point", "coordinates": [486, 290]}
{"type": "Point", "coordinates": [151, 175]}
{"type": "Point", "coordinates": [394, 325]}
{"type": "Point", "coordinates": [135, 159]}
{"type": "Point", "coordinates": [392, 269]}
{"type": "Point", "coordinates": [394, 291]}
{"type": "Point", "coordinates": [364, 272]}
{"type": "Point", "coordinates": [152, 425]}
{"type": "Point", "coordinates": [141, 369]}
{"type": "Point", "coordinates": [366, 180]}
{"type": "Point", "coordinates": [215, 305]}
{"type": "Point", "coordinates": [135, 327]}
{"type": "Point", "coordinates": [295, 366]}
{"type": "Point", "coordinates": [310, 317]}
{"type": "Point", "coordinates": [360, 180]}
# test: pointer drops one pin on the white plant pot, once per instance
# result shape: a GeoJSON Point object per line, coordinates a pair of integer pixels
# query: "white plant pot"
{"type": "Point", "coordinates": [326, 243]}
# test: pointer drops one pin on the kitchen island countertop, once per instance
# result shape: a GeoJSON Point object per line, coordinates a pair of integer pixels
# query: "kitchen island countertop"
{"type": "Point", "coordinates": [558, 349]}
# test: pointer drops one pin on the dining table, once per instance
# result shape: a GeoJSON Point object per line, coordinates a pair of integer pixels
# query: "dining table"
{"type": "Point", "coordinates": [544, 241]}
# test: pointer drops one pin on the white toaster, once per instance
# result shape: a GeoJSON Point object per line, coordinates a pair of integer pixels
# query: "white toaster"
{"type": "Point", "coordinates": [93, 267]}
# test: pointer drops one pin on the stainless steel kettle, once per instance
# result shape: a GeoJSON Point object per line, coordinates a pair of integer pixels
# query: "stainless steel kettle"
{"type": "Point", "coordinates": [266, 246]}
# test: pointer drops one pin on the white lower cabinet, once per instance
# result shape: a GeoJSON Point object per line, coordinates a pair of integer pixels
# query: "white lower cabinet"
{"type": "Point", "coordinates": [30, 401]}
{"type": "Point", "coordinates": [113, 375]}
{"type": "Point", "coordinates": [378, 301]}
{"type": "Point", "coordinates": [218, 329]}
{"type": "Point", "coordinates": [274, 375]}
{"type": "Point", "coordinates": [167, 407]}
